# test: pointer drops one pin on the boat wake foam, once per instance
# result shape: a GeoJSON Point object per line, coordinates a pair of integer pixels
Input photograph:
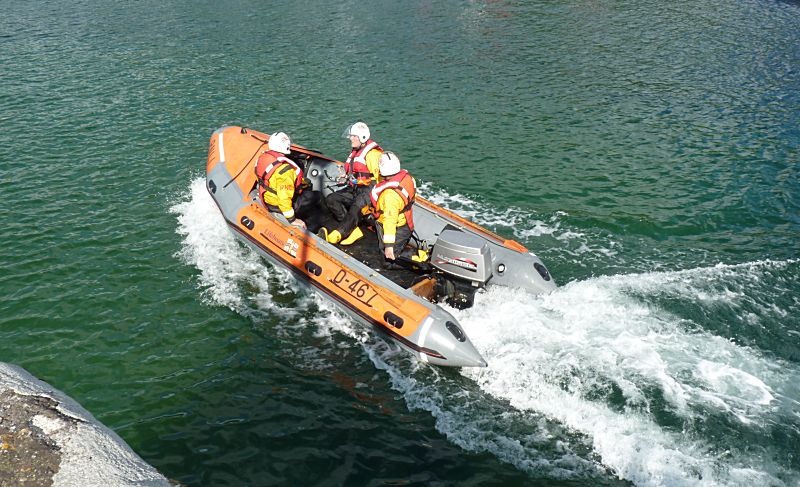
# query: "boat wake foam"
{"type": "Point", "coordinates": [649, 388]}
{"type": "Point", "coordinates": [230, 274]}
{"type": "Point", "coordinates": [598, 379]}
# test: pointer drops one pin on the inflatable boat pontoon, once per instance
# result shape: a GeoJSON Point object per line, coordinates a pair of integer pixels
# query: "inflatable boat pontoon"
{"type": "Point", "coordinates": [400, 301]}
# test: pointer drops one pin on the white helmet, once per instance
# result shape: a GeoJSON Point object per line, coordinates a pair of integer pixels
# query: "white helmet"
{"type": "Point", "coordinates": [279, 142]}
{"type": "Point", "coordinates": [390, 164]}
{"type": "Point", "coordinates": [360, 130]}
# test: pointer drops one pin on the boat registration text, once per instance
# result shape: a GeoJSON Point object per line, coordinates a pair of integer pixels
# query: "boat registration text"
{"type": "Point", "coordinates": [355, 287]}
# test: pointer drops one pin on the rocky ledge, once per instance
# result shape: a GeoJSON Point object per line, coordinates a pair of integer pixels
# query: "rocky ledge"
{"type": "Point", "coordinates": [48, 439]}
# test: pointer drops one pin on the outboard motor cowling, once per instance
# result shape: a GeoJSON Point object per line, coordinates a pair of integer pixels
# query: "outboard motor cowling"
{"type": "Point", "coordinates": [462, 255]}
{"type": "Point", "coordinates": [463, 264]}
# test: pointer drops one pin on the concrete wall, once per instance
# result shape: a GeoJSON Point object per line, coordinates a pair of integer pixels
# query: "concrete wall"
{"type": "Point", "coordinates": [46, 438]}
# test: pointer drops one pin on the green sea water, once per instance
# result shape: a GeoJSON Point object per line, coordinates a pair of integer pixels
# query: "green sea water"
{"type": "Point", "coordinates": [646, 151]}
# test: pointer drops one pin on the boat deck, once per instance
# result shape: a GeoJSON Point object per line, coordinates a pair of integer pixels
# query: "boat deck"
{"type": "Point", "coordinates": [366, 250]}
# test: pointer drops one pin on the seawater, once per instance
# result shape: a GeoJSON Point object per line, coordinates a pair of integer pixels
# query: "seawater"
{"type": "Point", "coordinates": [646, 152]}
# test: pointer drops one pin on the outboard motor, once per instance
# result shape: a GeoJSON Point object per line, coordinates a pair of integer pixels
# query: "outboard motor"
{"type": "Point", "coordinates": [462, 264]}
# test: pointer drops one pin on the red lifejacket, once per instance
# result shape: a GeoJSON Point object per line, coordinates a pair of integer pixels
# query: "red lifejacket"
{"type": "Point", "coordinates": [356, 163]}
{"type": "Point", "coordinates": [405, 186]}
{"type": "Point", "coordinates": [266, 165]}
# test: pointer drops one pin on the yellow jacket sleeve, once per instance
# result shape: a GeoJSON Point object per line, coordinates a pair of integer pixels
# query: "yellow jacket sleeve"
{"type": "Point", "coordinates": [373, 159]}
{"type": "Point", "coordinates": [391, 203]}
{"type": "Point", "coordinates": [282, 182]}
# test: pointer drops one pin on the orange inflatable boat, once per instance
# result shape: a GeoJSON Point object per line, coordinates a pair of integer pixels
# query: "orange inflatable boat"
{"type": "Point", "coordinates": [401, 302]}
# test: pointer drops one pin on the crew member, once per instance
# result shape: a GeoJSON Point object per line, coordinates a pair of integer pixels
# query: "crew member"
{"type": "Point", "coordinates": [392, 200]}
{"type": "Point", "coordinates": [361, 173]}
{"type": "Point", "coordinates": [281, 183]}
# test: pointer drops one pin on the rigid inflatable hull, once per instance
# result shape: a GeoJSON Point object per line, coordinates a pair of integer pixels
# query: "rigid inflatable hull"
{"type": "Point", "coordinates": [423, 328]}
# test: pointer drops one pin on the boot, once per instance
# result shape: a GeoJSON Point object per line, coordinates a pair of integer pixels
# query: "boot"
{"type": "Point", "coordinates": [420, 256]}
{"type": "Point", "coordinates": [355, 236]}
{"type": "Point", "coordinates": [334, 237]}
